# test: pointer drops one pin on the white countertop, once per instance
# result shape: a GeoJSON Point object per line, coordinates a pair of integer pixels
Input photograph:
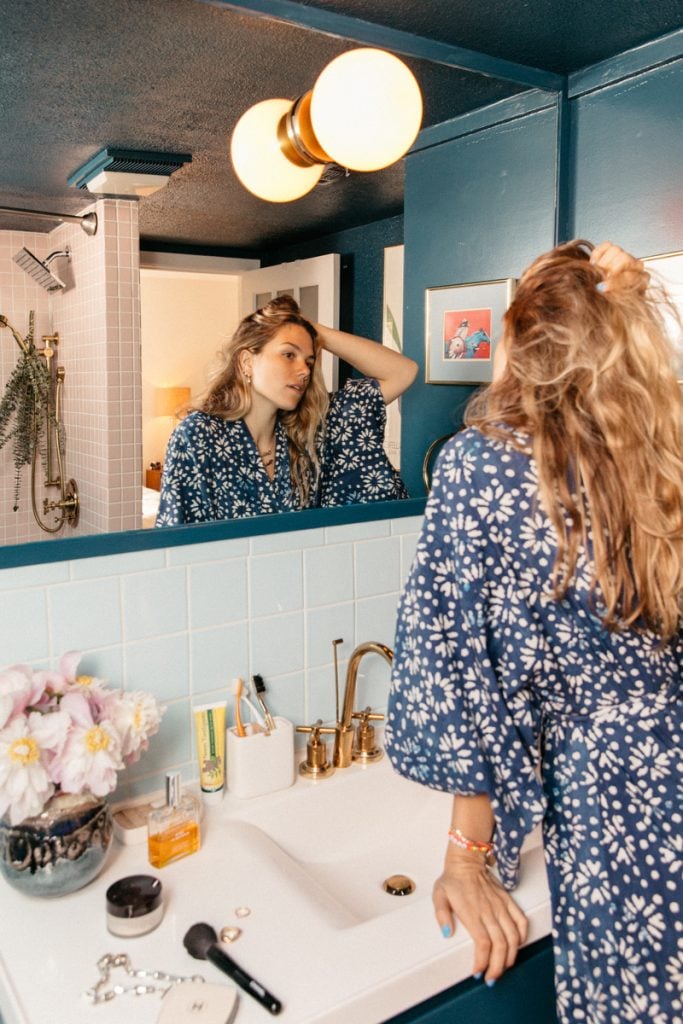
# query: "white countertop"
{"type": "Point", "coordinates": [326, 964]}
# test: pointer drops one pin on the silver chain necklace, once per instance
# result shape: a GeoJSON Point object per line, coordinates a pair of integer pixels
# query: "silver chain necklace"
{"type": "Point", "coordinates": [110, 961]}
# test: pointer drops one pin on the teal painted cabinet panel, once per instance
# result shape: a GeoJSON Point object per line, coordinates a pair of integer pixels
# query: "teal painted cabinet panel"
{"type": "Point", "coordinates": [524, 995]}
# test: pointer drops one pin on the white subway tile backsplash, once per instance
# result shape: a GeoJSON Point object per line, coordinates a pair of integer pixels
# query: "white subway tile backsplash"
{"type": "Point", "coordinates": [277, 644]}
{"type": "Point", "coordinates": [323, 625]}
{"type": "Point", "coordinates": [218, 592]}
{"type": "Point", "coordinates": [217, 656]}
{"type": "Point", "coordinates": [276, 583]}
{"type": "Point", "coordinates": [328, 574]}
{"type": "Point", "coordinates": [376, 618]}
{"type": "Point", "coordinates": [160, 666]}
{"type": "Point", "coordinates": [377, 567]}
{"type": "Point", "coordinates": [182, 622]}
{"type": "Point", "coordinates": [84, 615]}
{"type": "Point", "coordinates": [23, 626]}
{"type": "Point", "coordinates": [154, 603]}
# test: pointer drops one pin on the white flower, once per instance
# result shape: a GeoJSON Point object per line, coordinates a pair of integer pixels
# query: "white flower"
{"type": "Point", "coordinates": [28, 748]}
{"type": "Point", "coordinates": [136, 717]}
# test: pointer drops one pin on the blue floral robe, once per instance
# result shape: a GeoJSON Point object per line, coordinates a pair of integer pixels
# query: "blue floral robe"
{"type": "Point", "coordinates": [213, 470]}
{"type": "Point", "coordinates": [499, 689]}
{"type": "Point", "coordinates": [355, 466]}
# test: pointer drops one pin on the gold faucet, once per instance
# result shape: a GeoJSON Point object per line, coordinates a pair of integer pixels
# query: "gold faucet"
{"type": "Point", "coordinates": [343, 741]}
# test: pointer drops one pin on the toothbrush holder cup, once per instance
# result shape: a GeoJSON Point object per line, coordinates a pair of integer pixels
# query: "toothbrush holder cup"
{"type": "Point", "coordinates": [260, 762]}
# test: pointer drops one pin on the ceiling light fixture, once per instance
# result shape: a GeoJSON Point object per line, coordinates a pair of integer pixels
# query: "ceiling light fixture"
{"type": "Point", "coordinates": [127, 172]}
{"type": "Point", "coordinates": [363, 113]}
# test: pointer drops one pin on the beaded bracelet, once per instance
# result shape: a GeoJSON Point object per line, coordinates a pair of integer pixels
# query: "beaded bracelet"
{"type": "Point", "coordinates": [456, 837]}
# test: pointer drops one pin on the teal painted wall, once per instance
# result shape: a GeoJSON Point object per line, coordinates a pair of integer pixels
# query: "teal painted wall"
{"type": "Point", "coordinates": [627, 144]}
{"type": "Point", "coordinates": [479, 206]}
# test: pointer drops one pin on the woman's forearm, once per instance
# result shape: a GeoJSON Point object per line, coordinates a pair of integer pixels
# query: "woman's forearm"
{"type": "Point", "coordinates": [394, 371]}
{"type": "Point", "coordinates": [473, 815]}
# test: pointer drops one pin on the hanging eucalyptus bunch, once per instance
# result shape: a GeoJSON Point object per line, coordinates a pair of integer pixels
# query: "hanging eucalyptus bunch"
{"type": "Point", "coordinates": [24, 407]}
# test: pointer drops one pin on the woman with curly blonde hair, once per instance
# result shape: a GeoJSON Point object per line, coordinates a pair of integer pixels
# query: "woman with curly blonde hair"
{"type": "Point", "coordinates": [255, 443]}
{"type": "Point", "coordinates": [537, 672]}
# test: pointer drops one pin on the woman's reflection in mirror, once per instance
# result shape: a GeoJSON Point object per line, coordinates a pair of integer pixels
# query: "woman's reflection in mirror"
{"type": "Point", "coordinates": [265, 437]}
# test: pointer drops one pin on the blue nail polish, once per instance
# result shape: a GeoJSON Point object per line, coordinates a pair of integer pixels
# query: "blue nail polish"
{"type": "Point", "coordinates": [491, 982]}
{"type": "Point", "coordinates": [600, 286]}
{"type": "Point", "coordinates": [478, 975]}
{"type": "Point", "coordinates": [446, 930]}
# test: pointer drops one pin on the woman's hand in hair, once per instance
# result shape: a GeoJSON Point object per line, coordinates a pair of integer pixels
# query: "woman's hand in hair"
{"type": "Point", "coordinates": [394, 371]}
{"type": "Point", "coordinates": [620, 269]}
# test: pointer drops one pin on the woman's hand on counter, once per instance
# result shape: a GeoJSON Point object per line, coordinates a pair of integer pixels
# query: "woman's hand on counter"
{"type": "Point", "coordinates": [467, 889]}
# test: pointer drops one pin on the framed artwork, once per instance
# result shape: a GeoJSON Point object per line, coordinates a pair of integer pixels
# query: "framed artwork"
{"type": "Point", "coordinates": [463, 327]}
{"type": "Point", "coordinates": [667, 271]}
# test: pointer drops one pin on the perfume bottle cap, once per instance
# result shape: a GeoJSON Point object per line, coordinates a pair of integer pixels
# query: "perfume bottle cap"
{"type": "Point", "coordinates": [172, 788]}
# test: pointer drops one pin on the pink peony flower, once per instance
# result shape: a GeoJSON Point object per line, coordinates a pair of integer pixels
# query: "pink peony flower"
{"type": "Point", "coordinates": [28, 747]}
{"type": "Point", "coordinates": [66, 732]}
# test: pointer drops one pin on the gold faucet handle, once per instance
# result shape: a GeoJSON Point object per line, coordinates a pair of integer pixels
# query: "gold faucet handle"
{"type": "Point", "coordinates": [316, 728]}
{"type": "Point", "coordinates": [316, 765]}
{"type": "Point", "coordinates": [368, 716]}
{"type": "Point", "coordinates": [365, 749]}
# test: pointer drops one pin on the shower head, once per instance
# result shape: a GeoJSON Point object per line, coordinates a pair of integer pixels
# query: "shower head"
{"type": "Point", "coordinates": [40, 271]}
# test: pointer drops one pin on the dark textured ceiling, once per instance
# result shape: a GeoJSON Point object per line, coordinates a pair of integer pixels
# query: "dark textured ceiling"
{"type": "Point", "coordinates": [175, 75]}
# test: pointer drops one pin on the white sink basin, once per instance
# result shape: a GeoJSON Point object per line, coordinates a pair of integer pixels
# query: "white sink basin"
{"type": "Point", "coordinates": [308, 862]}
{"type": "Point", "coordinates": [350, 832]}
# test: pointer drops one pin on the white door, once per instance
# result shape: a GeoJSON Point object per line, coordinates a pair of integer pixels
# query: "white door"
{"type": "Point", "coordinates": [313, 283]}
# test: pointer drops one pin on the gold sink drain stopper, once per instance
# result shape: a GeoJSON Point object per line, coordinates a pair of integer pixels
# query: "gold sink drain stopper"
{"type": "Point", "coordinates": [398, 885]}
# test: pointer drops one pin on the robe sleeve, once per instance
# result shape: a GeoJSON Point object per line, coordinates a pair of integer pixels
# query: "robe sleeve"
{"type": "Point", "coordinates": [457, 720]}
{"type": "Point", "coordinates": [184, 495]}
{"type": "Point", "coordinates": [355, 466]}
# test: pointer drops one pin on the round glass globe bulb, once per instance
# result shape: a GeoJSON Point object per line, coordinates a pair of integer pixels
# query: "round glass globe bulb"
{"type": "Point", "coordinates": [258, 160]}
{"type": "Point", "coordinates": [366, 109]}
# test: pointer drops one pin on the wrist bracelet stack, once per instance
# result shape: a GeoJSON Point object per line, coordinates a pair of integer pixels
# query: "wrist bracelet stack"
{"type": "Point", "coordinates": [456, 837]}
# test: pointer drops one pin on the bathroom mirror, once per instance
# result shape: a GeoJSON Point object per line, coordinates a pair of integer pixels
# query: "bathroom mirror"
{"type": "Point", "coordinates": [169, 38]}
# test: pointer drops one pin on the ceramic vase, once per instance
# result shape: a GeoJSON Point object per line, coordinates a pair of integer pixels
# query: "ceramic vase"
{"type": "Point", "coordinates": [59, 850]}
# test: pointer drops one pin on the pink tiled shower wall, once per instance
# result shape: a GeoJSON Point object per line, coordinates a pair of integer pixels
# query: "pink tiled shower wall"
{"type": "Point", "coordinates": [98, 320]}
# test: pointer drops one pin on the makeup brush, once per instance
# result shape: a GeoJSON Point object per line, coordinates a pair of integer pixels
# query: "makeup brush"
{"type": "Point", "coordinates": [201, 942]}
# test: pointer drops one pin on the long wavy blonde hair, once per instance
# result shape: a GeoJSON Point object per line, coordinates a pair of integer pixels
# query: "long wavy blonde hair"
{"type": "Point", "coordinates": [228, 394]}
{"type": "Point", "coordinates": [590, 377]}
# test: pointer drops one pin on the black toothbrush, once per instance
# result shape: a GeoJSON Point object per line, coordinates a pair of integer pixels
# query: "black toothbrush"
{"type": "Point", "coordinates": [201, 942]}
{"type": "Point", "coordinates": [260, 688]}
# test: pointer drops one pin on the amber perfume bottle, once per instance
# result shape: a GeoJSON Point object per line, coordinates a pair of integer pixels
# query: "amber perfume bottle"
{"type": "Point", "coordinates": [173, 830]}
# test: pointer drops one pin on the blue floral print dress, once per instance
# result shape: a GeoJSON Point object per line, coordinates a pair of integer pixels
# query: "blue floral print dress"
{"type": "Point", "coordinates": [213, 470]}
{"type": "Point", "coordinates": [498, 688]}
{"type": "Point", "coordinates": [355, 466]}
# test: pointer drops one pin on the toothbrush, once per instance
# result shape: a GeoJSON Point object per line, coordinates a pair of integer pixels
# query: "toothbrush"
{"type": "Point", "coordinates": [240, 694]}
{"type": "Point", "coordinates": [256, 715]}
{"type": "Point", "coordinates": [260, 689]}
{"type": "Point", "coordinates": [237, 686]}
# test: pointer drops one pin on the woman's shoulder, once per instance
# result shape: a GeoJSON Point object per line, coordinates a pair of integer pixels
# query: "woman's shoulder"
{"type": "Point", "coordinates": [484, 453]}
{"type": "Point", "coordinates": [199, 422]}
